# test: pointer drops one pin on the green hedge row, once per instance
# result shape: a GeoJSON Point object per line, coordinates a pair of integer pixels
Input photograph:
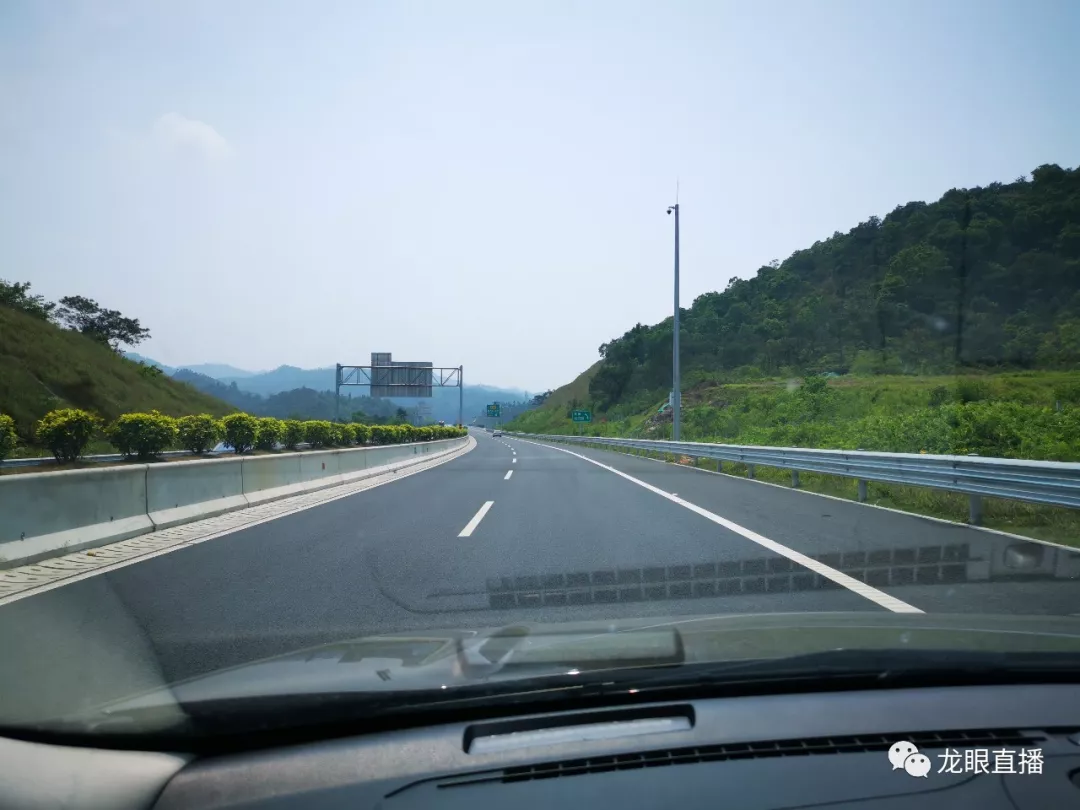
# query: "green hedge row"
{"type": "Point", "coordinates": [68, 432]}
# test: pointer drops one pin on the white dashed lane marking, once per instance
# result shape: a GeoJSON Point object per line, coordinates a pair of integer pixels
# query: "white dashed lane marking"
{"type": "Point", "coordinates": [470, 527]}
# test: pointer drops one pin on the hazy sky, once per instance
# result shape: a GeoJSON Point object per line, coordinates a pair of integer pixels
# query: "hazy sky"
{"type": "Point", "coordinates": [484, 183]}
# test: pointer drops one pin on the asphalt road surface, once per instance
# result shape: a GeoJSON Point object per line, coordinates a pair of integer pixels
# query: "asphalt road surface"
{"type": "Point", "coordinates": [515, 531]}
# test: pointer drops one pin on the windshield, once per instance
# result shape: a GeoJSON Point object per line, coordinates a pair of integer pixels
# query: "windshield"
{"type": "Point", "coordinates": [412, 354]}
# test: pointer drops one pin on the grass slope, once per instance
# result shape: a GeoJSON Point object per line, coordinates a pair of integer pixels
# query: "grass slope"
{"type": "Point", "coordinates": [43, 367]}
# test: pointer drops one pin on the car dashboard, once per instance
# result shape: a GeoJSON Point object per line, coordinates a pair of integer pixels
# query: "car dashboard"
{"type": "Point", "coordinates": [817, 749]}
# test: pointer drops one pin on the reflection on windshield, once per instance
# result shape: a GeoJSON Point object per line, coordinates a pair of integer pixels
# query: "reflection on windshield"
{"type": "Point", "coordinates": [954, 563]}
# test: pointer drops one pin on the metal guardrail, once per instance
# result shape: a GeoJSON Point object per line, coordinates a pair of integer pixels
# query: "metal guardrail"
{"type": "Point", "coordinates": [1055, 483]}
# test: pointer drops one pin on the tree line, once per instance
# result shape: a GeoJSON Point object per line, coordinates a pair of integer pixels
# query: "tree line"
{"type": "Point", "coordinates": [76, 312]}
{"type": "Point", "coordinates": [984, 278]}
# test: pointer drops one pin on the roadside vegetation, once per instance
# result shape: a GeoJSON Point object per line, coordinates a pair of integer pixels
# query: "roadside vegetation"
{"type": "Point", "coordinates": [69, 434]}
{"type": "Point", "coordinates": [67, 389]}
{"type": "Point", "coordinates": [1025, 414]}
{"type": "Point", "coordinates": [45, 367]}
{"type": "Point", "coordinates": [950, 327]}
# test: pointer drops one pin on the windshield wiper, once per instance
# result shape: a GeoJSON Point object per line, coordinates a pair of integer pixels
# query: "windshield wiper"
{"type": "Point", "coordinates": [214, 722]}
{"type": "Point", "coordinates": [890, 667]}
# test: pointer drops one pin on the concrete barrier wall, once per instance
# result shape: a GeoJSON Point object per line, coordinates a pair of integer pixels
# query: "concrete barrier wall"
{"type": "Point", "coordinates": [320, 468]}
{"type": "Point", "coordinates": [181, 491]}
{"type": "Point", "coordinates": [268, 478]}
{"type": "Point", "coordinates": [70, 509]}
{"type": "Point", "coordinates": [349, 462]}
{"type": "Point", "coordinates": [45, 514]}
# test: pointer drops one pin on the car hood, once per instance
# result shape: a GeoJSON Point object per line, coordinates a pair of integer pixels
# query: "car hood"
{"type": "Point", "coordinates": [446, 659]}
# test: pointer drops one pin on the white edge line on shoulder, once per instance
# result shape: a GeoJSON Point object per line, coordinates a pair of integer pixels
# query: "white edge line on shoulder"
{"type": "Point", "coordinates": [855, 586]}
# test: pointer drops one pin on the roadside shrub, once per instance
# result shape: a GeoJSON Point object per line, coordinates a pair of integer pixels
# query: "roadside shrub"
{"type": "Point", "coordinates": [294, 433]}
{"type": "Point", "coordinates": [144, 435]}
{"type": "Point", "coordinates": [363, 434]}
{"type": "Point", "coordinates": [968, 390]}
{"type": "Point", "coordinates": [239, 430]}
{"type": "Point", "coordinates": [8, 437]}
{"type": "Point", "coordinates": [318, 433]}
{"type": "Point", "coordinates": [939, 395]}
{"type": "Point", "coordinates": [268, 433]}
{"type": "Point", "coordinates": [198, 433]}
{"type": "Point", "coordinates": [346, 435]}
{"type": "Point", "coordinates": [1067, 392]}
{"type": "Point", "coordinates": [66, 432]}
{"type": "Point", "coordinates": [385, 434]}
{"type": "Point", "coordinates": [336, 437]}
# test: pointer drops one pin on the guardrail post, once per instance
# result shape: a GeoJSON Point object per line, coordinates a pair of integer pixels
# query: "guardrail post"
{"type": "Point", "coordinates": [795, 479]}
{"type": "Point", "coordinates": [697, 461]}
{"type": "Point", "coordinates": [862, 492]}
{"type": "Point", "coordinates": [749, 470]}
{"type": "Point", "coordinates": [975, 510]}
{"type": "Point", "coordinates": [719, 465]}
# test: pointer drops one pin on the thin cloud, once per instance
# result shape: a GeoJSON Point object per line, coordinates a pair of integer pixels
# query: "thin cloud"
{"type": "Point", "coordinates": [180, 134]}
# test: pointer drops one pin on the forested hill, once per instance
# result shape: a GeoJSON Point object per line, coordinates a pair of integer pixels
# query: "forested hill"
{"type": "Point", "coordinates": [982, 278]}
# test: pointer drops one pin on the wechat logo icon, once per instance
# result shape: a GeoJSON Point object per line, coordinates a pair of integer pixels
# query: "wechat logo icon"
{"type": "Point", "coordinates": [905, 755]}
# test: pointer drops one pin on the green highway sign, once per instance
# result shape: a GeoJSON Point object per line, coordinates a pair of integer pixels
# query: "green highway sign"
{"type": "Point", "coordinates": [494, 410]}
{"type": "Point", "coordinates": [581, 416]}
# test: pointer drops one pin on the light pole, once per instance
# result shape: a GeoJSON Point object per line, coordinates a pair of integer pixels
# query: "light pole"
{"type": "Point", "coordinates": [676, 396]}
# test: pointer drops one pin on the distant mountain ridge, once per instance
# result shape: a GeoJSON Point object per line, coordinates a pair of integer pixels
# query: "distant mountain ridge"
{"type": "Point", "coordinates": [221, 371]}
{"type": "Point", "coordinates": [218, 371]}
{"type": "Point", "coordinates": [282, 378]}
{"type": "Point", "coordinates": [278, 390]}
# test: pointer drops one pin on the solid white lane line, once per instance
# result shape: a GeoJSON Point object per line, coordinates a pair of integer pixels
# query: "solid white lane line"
{"type": "Point", "coordinates": [855, 586]}
{"type": "Point", "coordinates": [470, 527]}
{"type": "Point", "coordinates": [508, 474]}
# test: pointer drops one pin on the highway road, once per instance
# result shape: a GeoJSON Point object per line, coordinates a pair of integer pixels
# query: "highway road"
{"type": "Point", "coordinates": [515, 530]}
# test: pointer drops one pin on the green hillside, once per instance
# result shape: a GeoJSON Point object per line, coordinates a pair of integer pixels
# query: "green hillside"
{"type": "Point", "coordinates": [950, 327]}
{"type": "Point", "coordinates": [43, 367]}
{"type": "Point", "coordinates": [983, 281]}
{"type": "Point", "coordinates": [984, 278]}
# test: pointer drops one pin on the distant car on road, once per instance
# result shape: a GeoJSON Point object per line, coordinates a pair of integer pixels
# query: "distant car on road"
{"type": "Point", "coordinates": [497, 433]}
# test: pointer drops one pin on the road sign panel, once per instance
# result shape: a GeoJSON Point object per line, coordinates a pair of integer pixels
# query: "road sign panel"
{"type": "Point", "coordinates": [581, 416]}
{"type": "Point", "coordinates": [494, 410]}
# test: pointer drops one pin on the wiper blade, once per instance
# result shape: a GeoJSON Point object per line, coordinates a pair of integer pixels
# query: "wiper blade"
{"type": "Point", "coordinates": [214, 721]}
{"type": "Point", "coordinates": [880, 665]}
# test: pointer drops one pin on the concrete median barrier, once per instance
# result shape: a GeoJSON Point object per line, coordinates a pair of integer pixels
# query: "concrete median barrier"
{"type": "Point", "coordinates": [270, 478]}
{"type": "Point", "coordinates": [351, 462]}
{"type": "Point", "coordinates": [179, 492]}
{"type": "Point", "coordinates": [43, 513]}
{"type": "Point", "coordinates": [320, 469]}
